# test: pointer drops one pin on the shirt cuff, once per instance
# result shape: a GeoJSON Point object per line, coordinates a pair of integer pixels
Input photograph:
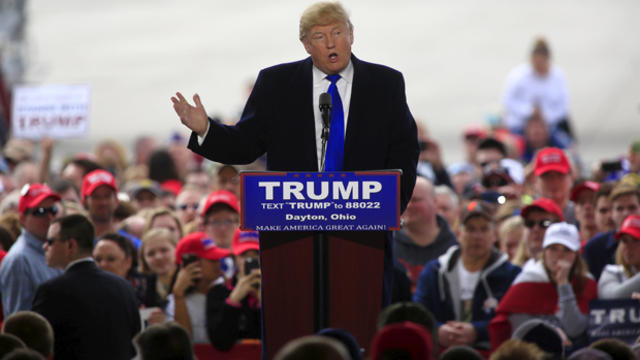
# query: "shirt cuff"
{"type": "Point", "coordinates": [233, 304]}
{"type": "Point", "coordinates": [201, 138]}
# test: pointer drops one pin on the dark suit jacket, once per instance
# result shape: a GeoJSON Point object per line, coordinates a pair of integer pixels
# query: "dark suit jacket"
{"type": "Point", "coordinates": [278, 119]}
{"type": "Point", "coordinates": [94, 314]}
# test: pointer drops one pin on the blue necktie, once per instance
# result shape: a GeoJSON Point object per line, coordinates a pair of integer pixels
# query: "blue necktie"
{"type": "Point", "coordinates": [335, 148]}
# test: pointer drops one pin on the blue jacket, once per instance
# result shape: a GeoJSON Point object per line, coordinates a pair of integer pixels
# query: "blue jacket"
{"type": "Point", "coordinates": [438, 283]}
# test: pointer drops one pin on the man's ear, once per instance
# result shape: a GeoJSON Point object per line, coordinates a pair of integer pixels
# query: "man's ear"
{"type": "Point", "coordinates": [306, 45]}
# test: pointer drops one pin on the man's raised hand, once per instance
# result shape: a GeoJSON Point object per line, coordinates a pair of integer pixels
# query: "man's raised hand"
{"type": "Point", "coordinates": [193, 117]}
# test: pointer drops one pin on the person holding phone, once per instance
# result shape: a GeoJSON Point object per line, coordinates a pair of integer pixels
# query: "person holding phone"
{"type": "Point", "coordinates": [199, 260]}
{"type": "Point", "coordinates": [233, 308]}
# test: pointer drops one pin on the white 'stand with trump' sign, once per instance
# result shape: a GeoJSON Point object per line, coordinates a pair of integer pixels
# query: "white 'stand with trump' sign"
{"type": "Point", "coordinates": [57, 111]}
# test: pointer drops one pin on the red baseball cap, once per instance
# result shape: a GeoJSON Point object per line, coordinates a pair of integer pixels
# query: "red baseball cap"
{"type": "Point", "coordinates": [32, 195]}
{"type": "Point", "coordinates": [245, 241]}
{"type": "Point", "coordinates": [630, 226]}
{"type": "Point", "coordinates": [201, 245]}
{"type": "Point", "coordinates": [97, 178]}
{"type": "Point", "coordinates": [221, 197]}
{"type": "Point", "coordinates": [551, 159]}
{"type": "Point", "coordinates": [543, 204]}
{"type": "Point", "coordinates": [408, 336]}
{"type": "Point", "coordinates": [587, 185]}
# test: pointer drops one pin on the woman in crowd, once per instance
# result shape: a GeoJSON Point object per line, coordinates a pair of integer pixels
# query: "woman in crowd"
{"type": "Point", "coordinates": [167, 219]}
{"type": "Point", "coordinates": [623, 280]}
{"type": "Point", "coordinates": [233, 308]}
{"type": "Point", "coordinates": [557, 289]}
{"type": "Point", "coordinates": [114, 253]}
{"type": "Point", "coordinates": [157, 255]}
{"type": "Point", "coordinates": [199, 260]}
{"type": "Point", "coordinates": [510, 235]}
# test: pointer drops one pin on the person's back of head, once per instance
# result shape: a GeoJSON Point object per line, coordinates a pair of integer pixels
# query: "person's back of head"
{"type": "Point", "coordinates": [543, 335]}
{"type": "Point", "coordinates": [314, 347]}
{"type": "Point", "coordinates": [407, 311]}
{"type": "Point", "coordinates": [589, 354]}
{"type": "Point", "coordinates": [461, 353]}
{"type": "Point", "coordinates": [614, 347]}
{"type": "Point", "coordinates": [406, 340]}
{"type": "Point", "coordinates": [346, 339]}
{"type": "Point", "coordinates": [24, 354]}
{"type": "Point", "coordinates": [8, 343]}
{"type": "Point", "coordinates": [33, 329]}
{"type": "Point", "coordinates": [515, 349]}
{"type": "Point", "coordinates": [168, 341]}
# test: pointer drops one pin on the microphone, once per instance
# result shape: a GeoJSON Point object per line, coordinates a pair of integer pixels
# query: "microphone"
{"type": "Point", "coordinates": [325, 109]}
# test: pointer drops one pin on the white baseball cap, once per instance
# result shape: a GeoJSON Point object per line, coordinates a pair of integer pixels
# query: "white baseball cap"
{"type": "Point", "coordinates": [564, 234]}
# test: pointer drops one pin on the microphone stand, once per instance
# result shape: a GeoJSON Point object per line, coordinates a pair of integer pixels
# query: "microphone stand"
{"type": "Point", "coordinates": [325, 111]}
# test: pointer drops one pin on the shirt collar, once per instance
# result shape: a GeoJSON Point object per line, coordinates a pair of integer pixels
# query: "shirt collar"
{"type": "Point", "coordinates": [32, 241]}
{"type": "Point", "coordinates": [76, 261]}
{"type": "Point", "coordinates": [346, 74]}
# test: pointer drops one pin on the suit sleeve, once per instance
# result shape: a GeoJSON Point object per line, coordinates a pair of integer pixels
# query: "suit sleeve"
{"type": "Point", "coordinates": [244, 142]}
{"type": "Point", "coordinates": [403, 149]}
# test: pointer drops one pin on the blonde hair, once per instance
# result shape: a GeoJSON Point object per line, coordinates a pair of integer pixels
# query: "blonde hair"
{"type": "Point", "coordinates": [161, 212]}
{"type": "Point", "coordinates": [518, 349]}
{"type": "Point", "coordinates": [153, 234]}
{"type": "Point", "coordinates": [628, 269]}
{"type": "Point", "coordinates": [323, 13]}
{"type": "Point", "coordinates": [522, 254]}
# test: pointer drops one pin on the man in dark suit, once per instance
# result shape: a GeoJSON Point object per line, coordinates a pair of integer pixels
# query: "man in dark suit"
{"type": "Point", "coordinates": [282, 118]}
{"type": "Point", "coordinates": [94, 314]}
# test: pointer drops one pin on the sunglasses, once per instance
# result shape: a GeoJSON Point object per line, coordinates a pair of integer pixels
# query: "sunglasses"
{"type": "Point", "coordinates": [184, 207]}
{"type": "Point", "coordinates": [542, 223]}
{"type": "Point", "coordinates": [42, 211]}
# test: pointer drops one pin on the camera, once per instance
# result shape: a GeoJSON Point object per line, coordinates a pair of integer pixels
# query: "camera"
{"type": "Point", "coordinates": [188, 259]}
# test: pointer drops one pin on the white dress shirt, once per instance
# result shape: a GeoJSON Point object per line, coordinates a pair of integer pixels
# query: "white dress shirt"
{"type": "Point", "coordinates": [321, 85]}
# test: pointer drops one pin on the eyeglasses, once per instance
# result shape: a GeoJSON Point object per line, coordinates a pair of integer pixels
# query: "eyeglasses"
{"type": "Point", "coordinates": [42, 211]}
{"type": "Point", "coordinates": [220, 223]}
{"type": "Point", "coordinates": [184, 207]}
{"type": "Point", "coordinates": [542, 223]}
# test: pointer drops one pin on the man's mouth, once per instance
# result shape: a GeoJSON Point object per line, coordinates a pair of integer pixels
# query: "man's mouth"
{"type": "Point", "coordinates": [333, 57]}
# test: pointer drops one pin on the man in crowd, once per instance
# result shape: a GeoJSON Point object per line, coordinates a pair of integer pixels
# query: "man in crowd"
{"type": "Point", "coordinates": [462, 287]}
{"type": "Point", "coordinates": [24, 268]}
{"type": "Point", "coordinates": [582, 196]}
{"type": "Point", "coordinates": [425, 235]}
{"type": "Point", "coordinates": [602, 206]}
{"type": "Point", "coordinates": [100, 198]}
{"type": "Point", "coordinates": [220, 217]}
{"type": "Point", "coordinates": [537, 216]}
{"type": "Point", "coordinates": [600, 250]}
{"type": "Point", "coordinates": [187, 203]}
{"type": "Point", "coordinates": [94, 314]}
{"type": "Point", "coordinates": [554, 180]}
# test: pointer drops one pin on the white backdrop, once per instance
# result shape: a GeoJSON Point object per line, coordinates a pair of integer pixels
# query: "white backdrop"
{"type": "Point", "coordinates": [454, 54]}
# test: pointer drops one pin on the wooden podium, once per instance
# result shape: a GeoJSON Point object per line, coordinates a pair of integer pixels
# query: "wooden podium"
{"type": "Point", "coordinates": [317, 279]}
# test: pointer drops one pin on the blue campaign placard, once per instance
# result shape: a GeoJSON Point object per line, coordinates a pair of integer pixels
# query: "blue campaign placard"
{"type": "Point", "coordinates": [616, 318]}
{"type": "Point", "coordinates": [326, 201]}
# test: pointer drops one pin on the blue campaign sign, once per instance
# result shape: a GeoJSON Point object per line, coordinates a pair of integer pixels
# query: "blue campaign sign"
{"type": "Point", "coordinates": [619, 318]}
{"type": "Point", "coordinates": [326, 201]}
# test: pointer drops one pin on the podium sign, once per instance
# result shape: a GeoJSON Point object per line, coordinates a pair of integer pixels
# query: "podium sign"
{"type": "Point", "coordinates": [314, 201]}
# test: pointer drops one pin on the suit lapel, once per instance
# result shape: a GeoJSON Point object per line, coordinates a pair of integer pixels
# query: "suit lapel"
{"type": "Point", "coordinates": [303, 104]}
{"type": "Point", "coordinates": [356, 106]}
